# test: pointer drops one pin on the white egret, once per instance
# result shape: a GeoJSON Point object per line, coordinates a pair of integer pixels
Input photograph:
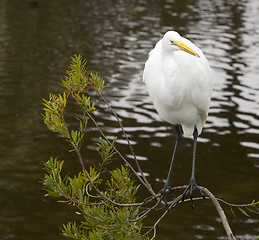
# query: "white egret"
{"type": "Point", "coordinates": [179, 81]}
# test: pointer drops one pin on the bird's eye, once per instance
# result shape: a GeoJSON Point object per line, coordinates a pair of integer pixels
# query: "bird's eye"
{"type": "Point", "coordinates": [173, 43]}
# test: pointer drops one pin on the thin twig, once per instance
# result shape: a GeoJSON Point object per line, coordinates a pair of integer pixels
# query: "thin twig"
{"type": "Point", "coordinates": [221, 213]}
{"type": "Point", "coordinates": [173, 203]}
{"type": "Point", "coordinates": [123, 131]}
{"type": "Point", "coordinates": [104, 136]}
{"type": "Point", "coordinates": [126, 137]}
{"type": "Point", "coordinates": [96, 188]}
{"type": "Point", "coordinates": [127, 163]}
{"type": "Point", "coordinates": [145, 212]}
{"type": "Point", "coordinates": [90, 195]}
{"type": "Point", "coordinates": [238, 205]}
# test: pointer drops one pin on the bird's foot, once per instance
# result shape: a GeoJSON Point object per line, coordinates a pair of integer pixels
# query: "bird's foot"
{"type": "Point", "coordinates": [162, 193]}
{"type": "Point", "coordinates": [192, 186]}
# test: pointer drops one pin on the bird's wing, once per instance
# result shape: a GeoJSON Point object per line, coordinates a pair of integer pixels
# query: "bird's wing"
{"type": "Point", "coordinates": [151, 62]}
{"type": "Point", "coordinates": [196, 75]}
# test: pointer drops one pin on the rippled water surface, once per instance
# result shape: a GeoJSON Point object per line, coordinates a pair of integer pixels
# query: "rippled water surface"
{"type": "Point", "coordinates": [36, 41]}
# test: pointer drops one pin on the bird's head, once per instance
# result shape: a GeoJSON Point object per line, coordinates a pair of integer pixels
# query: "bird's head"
{"type": "Point", "coordinates": [172, 41]}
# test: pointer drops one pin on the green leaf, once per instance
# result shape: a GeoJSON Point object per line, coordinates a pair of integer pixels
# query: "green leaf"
{"type": "Point", "coordinates": [232, 211]}
{"type": "Point", "coordinates": [244, 212]}
{"type": "Point", "coordinates": [253, 211]}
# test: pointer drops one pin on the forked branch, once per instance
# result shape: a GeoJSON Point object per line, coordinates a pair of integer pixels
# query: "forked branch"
{"type": "Point", "coordinates": [115, 197]}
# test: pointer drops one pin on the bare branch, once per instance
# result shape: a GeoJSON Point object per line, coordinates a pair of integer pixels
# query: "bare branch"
{"type": "Point", "coordinates": [124, 133]}
{"type": "Point", "coordinates": [127, 163]}
{"type": "Point", "coordinates": [238, 205]}
{"type": "Point", "coordinates": [214, 200]}
{"type": "Point", "coordinates": [221, 213]}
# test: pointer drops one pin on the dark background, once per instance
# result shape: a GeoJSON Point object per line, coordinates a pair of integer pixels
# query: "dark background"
{"type": "Point", "coordinates": [37, 39]}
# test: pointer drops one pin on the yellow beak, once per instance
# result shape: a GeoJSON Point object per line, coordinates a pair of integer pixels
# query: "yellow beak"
{"type": "Point", "coordinates": [184, 48]}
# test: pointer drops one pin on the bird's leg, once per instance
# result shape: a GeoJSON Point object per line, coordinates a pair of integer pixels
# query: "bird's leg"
{"type": "Point", "coordinates": [192, 184]}
{"type": "Point", "coordinates": [167, 186]}
{"type": "Point", "coordinates": [178, 137]}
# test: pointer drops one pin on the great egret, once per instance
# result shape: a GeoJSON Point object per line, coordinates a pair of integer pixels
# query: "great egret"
{"type": "Point", "coordinates": [179, 81]}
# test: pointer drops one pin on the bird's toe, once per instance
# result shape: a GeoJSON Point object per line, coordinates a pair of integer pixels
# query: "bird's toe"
{"type": "Point", "coordinates": [191, 187]}
{"type": "Point", "coordinates": [162, 194]}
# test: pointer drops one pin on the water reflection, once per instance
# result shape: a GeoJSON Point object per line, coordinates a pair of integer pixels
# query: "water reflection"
{"type": "Point", "coordinates": [115, 37]}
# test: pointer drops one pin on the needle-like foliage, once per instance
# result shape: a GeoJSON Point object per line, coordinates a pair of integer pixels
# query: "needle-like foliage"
{"type": "Point", "coordinates": [109, 213]}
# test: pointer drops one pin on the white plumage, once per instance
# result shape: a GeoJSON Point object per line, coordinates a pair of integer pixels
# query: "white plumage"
{"type": "Point", "coordinates": [179, 83]}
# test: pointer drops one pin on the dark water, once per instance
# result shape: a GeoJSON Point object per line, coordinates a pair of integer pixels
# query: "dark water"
{"type": "Point", "coordinates": [36, 41]}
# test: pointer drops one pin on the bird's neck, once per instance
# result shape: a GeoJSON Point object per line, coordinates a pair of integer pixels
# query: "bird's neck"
{"type": "Point", "coordinates": [170, 67]}
{"type": "Point", "coordinates": [172, 84]}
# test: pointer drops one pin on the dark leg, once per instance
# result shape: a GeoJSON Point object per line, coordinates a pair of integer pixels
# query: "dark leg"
{"type": "Point", "coordinates": [192, 184]}
{"type": "Point", "coordinates": [167, 186]}
{"type": "Point", "coordinates": [178, 137]}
